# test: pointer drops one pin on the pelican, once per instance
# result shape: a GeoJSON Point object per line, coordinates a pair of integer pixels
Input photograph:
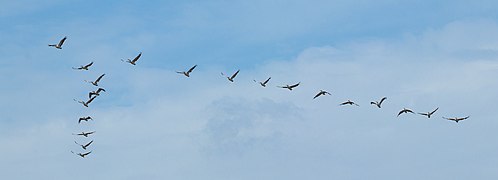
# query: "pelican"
{"type": "Point", "coordinates": [378, 103]}
{"type": "Point", "coordinates": [84, 146]}
{"type": "Point", "coordinates": [84, 133]}
{"type": "Point", "coordinates": [95, 93]}
{"type": "Point", "coordinates": [290, 87]}
{"type": "Point", "coordinates": [349, 102]}
{"type": "Point", "coordinates": [133, 62]}
{"type": "Point", "coordinates": [429, 114]}
{"type": "Point", "coordinates": [85, 67]}
{"type": "Point", "coordinates": [263, 83]}
{"type": "Point", "coordinates": [84, 119]}
{"type": "Point", "coordinates": [87, 102]}
{"type": "Point", "coordinates": [82, 155]}
{"type": "Point", "coordinates": [96, 82]}
{"type": "Point", "coordinates": [404, 110]}
{"type": "Point", "coordinates": [456, 119]}
{"type": "Point", "coordinates": [187, 73]}
{"type": "Point", "coordinates": [322, 92]}
{"type": "Point", "coordinates": [59, 46]}
{"type": "Point", "coordinates": [231, 77]}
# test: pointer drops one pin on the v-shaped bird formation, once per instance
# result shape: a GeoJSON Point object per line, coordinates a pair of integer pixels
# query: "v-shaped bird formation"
{"type": "Point", "coordinates": [92, 95]}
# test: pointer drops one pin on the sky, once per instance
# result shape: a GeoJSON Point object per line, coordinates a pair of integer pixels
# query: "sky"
{"type": "Point", "coordinates": [152, 123]}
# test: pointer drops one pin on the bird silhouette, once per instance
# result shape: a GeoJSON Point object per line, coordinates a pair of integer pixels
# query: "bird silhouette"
{"type": "Point", "coordinates": [59, 45]}
{"type": "Point", "coordinates": [321, 93]}
{"type": "Point", "coordinates": [85, 67]}
{"type": "Point", "coordinates": [405, 110]}
{"type": "Point", "coordinates": [96, 82]}
{"type": "Point", "coordinates": [95, 93]}
{"type": "Point", "coordinates": [349, 102]}
{"type": "Point", "coordinates": [263, 83]}
{"type": "Point", "coordinates": [187, 73]}
{"type": "Point", "coordinates": [82, 154]}
{"type": "Point", "coordinates": [87, 102]}
{"type": "Point", "coordinates": [429, 114]}
{"type": "Point", "coordinates": [84, 119]}
{"type": "Point", "coordinates": [290, 87]}
{"type": "Point", "coordinates": [134, 61]}
{"type": "Point", "coordinates": [231, 77]}
{"type": "Point", "coordinates": [456, 119]}
{"type": "Point", "coordinates": [84, 146]}
{"type": "Point", "coordinates": [86, 134]}
{"type": "Point", "coordinates": [378, 103]}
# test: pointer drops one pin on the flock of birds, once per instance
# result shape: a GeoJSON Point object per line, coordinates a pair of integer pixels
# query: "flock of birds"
{"type": "Point", "coordinates": [94, 94]}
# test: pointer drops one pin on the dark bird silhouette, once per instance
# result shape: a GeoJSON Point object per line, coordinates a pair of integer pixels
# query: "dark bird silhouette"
{"type": "Point", "coordinates": [322, 92]}
{"type": "Point", "coordinates": [82, 154]}
{"type": "Point", "coordinates": [349, 102]}
{"type": "Point", "coordinates": [84, 119]}
{"type": "Point", "coordinates": [84, 146]}
{"type": "Point", "coordinates": [404, 110]}
{"type": "Point", "coordinates": [231, 77]}
{"type": "Point", "coordinates": [263, 83]}
{"type": "Point", "coordinates": [95, 93]}
{"type": "Point", "coordinates": [59, 46]}
{"type": "Point", "coordinates": [84, 133]}
{"type": "Point", "coordinates": [378, 103]}
{"type": "Point", "coordinates": [187, 73]}
{"type": "Point", "coordinates": [85, 67]}
{"type": "Point", "coordinates": [290, 87]}
{"type": "Point", "coordinates": [429, 114]}
{"type": "Point", "coordinates": [456, 119]}
{"type": "Point", "coordinates": [96, 82]}
{"type": "Point", "coordinates": [87, 102]}
{"type": "Point", "coordinates": [134, 61]}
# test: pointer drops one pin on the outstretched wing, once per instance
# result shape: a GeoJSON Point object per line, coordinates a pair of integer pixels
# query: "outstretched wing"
{"type": "Point", "coordinates": [295, 85]}
{"type": "Point", "coordinates": [382, 100]}
{"type": "Point", "coordinates": [136, 58]}
{"type": "Point", "coordinates": [401, 112]}
{"type": "Point", "coordinates": [91, 99]}
{"type": "Point", "coordinates": [88, 65]}
{"type": "Point", "coordinates": [317, 95]}
{"type": "Point", "coordinates": [87, 153]}
{"type": "Point", "coordinates": [62, 41]}
{"type": "Point", "coordinates": [100, 89]}
{"type": "Point", "coordinates": [425, 114]}
{"type": "Point", "coordinates": [235, 74]}
{"type": "Point", "coordinates": [434, 111]}
{"type": "Point", "coordinates": [267, 81]}
{"type": "Point", "coordinates": [88, 144]}
{"type": "Point", "coordinates": [100, 77]}
{"type": "Point", "coordinates": [191, 69]}
{"type": "Point", "coordinates": [464, 118]}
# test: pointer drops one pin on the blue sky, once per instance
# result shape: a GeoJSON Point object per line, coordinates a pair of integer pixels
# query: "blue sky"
{"type": "Point", "coordinates": [154, 124]}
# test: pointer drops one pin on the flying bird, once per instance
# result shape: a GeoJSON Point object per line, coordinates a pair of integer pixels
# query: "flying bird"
{"type": "Point", "coordinates": [187, 73]}
{"type": "Point", "coordinates": [263, 83]}
{"type": "Point", "coordinates": [429, 114]}
{"type": "Point", "coordinates": [378, 103]}
{"type": "Point", "coordinates": [322, 92]}
{"type": "Point", "coordinates": [59, 46]}
{"type": "Point", "coordinates": [349, 102]}
{"type": "Point", "coordinates": [231, 77]}
{"type": "Point", "coordinates": [84, 119]}
{"type": "Point", "coordinates": [290, 87]}
{"type": "Point", "coordinates": [456, 119]}
{"type": "Point", "coordinates": [95, 93]}
{"type": "Point", "coordinates": [84, 133]}
{"type": "Point", "coordinates": [96, 82]}
{"type": "Point", "coordinates": [85, 67]}
{"type": "Point", "coordinates": [133, 62]}
{"type": "Point", "coordinates": [82, 154]}
{"type": "Point", "coordinates": [84, 146]}
{"type": "Point", "coordinates": [404, 110]}
{"type": "Point", "coordinates": [87, 102]}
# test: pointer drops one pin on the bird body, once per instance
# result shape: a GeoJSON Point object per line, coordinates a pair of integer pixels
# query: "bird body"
{"type": "Point", "coordinates": [85, 67]}
{"type": "Point", "coordinates": [84, 119]}
{"type": "Point", "coordinates": [59, 45]}
{"type": "Point", "coordinates": [349, 102]}
{"type": "Point", "coordinates": [86, 134]}
{"type": "Point", "coordinates": [405, 110]}
{"type": "Point", "coordinates": [96, 82]}
{"type": "Point", "coordinates": [230, 78]}
{"type": "Point", "coordinates": [134, 60]}
{"type": "Point", "coordinates": [187, 73]}
{"type": "Point", "coordinates": [429, 114]}
{"type": "Point", "coordinates": [95, 93]}
{"type": "Point", "coordinates": [84, 146]}
{"type": "Point", "coordinates": [263, 83]}
{"type": "Point", "coordinates": [290, 87]}
{"type": "Point", "coordinates": [456, 119]}
{"type": "Point", "coordinates": [378, 103]}
{"type": "Point", "coordinates": [87, 102]}
{"type": "Point", "coordinates": [82, 154]}
{"type": "Point", "coordinates": [321, 93]}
